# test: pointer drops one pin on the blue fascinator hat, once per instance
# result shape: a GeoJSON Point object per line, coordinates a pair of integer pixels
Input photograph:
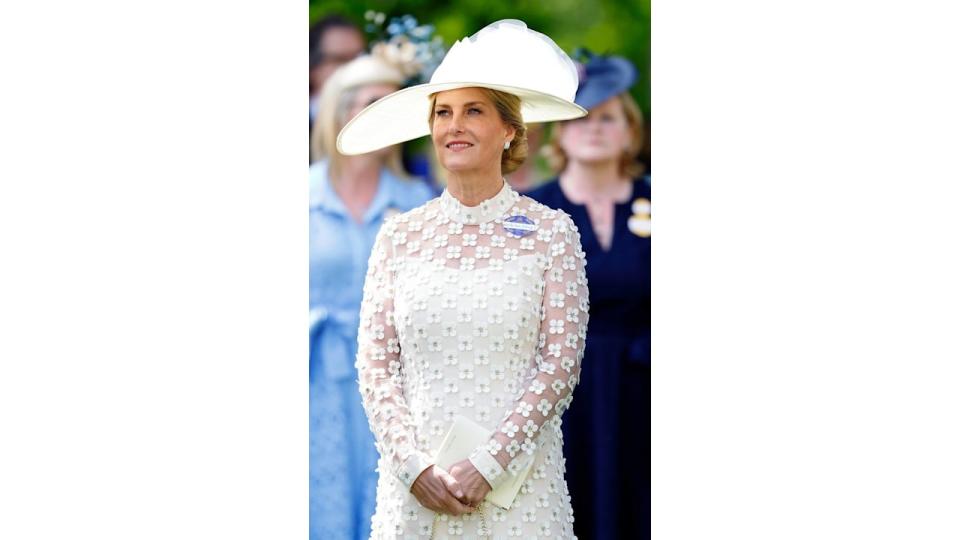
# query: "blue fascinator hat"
{"type": "Point", "coordinates": [602, 77]}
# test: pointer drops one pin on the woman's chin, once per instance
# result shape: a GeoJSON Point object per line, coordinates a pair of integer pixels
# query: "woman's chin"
{"type": "Point", "coordinates": [459, 165]}
{"type": "Point", "coordinates": [595, 158]}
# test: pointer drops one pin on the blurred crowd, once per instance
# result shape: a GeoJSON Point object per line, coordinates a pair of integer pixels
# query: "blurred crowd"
{"type": "Point", "coordinates": [595, 169]}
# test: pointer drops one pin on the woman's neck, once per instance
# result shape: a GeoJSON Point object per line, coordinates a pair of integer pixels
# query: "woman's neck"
{"type": "Point", "coordinates": [355, 179]}
{"type": "Point", "coordinates": [472, 189]}
{"type": "Point", "coordinates": [355, 174]}
{"type": "Point", "coordinates": [584, 182]}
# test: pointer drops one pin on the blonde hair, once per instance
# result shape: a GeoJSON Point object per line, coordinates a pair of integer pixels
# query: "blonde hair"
{"type": "Point", "coordinates": [508, 107]}
{"type": "Point", "coordinates": [337, 97]}
{"type": "Point", "coordinates": [629, 166]}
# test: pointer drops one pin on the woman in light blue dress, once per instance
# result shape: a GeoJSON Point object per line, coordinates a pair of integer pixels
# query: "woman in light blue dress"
{"type": "Point", "coordinates": [350, 196]}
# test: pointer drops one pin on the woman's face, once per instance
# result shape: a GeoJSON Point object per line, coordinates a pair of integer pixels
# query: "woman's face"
{"type": "Point", "coordinates": [468, 133]}
{"type": "Point", "coordinates": [600, 136]}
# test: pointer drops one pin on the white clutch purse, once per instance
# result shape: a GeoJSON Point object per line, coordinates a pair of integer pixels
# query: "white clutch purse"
{"type": "Point", "coordinates": [464, 436]}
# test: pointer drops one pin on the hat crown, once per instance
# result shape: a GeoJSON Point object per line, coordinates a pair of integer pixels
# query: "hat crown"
{"type": "Point", "coordinates": [508, 53]}
{"type": "Point", "coordinates": [367, 69]}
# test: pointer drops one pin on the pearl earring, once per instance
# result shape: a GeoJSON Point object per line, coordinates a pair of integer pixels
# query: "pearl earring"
{"type": "Point", "coordinates": [506, 145]}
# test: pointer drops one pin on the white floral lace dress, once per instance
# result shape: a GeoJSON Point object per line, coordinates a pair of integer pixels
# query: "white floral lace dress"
{"type": "Point", "coordinates": [481, 312]}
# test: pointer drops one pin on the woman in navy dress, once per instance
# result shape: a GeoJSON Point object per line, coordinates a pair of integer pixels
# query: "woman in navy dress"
{"type": "Point", "coordinates": [602, 187]}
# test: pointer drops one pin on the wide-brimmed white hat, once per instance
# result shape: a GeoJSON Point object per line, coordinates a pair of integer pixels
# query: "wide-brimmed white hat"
{"type": "Point", "coordinates": [505, 56]}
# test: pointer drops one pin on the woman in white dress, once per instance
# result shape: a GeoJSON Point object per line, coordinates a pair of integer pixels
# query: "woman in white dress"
{"type": "Point", "coordinates": [475, 304]}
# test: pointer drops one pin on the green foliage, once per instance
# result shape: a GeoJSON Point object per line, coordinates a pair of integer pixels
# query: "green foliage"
{"type": "Point", "coordinates": [619, 27]}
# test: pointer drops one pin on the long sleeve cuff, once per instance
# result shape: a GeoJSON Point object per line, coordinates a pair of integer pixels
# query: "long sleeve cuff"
{"type": "Point", "coordinates": [488, 467]}
{"type": "Point", "coordinates": [415, 464]}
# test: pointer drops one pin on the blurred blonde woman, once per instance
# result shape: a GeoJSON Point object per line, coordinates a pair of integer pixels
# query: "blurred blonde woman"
{"type": "Point", "coordinates": [350, 197]}
{"type": "Point", "coordinates": [602, 187]}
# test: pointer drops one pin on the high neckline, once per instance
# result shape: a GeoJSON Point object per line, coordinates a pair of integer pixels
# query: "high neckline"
{"type": "Point", "coordinates": [486, 211]}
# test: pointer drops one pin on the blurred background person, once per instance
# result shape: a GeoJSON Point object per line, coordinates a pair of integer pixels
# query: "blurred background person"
{"type": "Point", "coordinates": [350, 196]}
{"type": "Point", "coordinates": [602, 186]}
{"type": "Point", "coordinates": [334, 41]}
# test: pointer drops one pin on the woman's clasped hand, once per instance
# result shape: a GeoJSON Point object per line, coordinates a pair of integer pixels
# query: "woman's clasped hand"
{"type": "Point", "coordinates": [441, 491]}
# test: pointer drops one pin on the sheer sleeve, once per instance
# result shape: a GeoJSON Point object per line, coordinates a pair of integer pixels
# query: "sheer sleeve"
{"type": "Point", "coordinates": [379, 366]}
{"type": "Point", "coordinates": [555, 371]}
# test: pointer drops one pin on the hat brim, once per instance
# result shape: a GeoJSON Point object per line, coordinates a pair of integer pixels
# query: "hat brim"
{"type": "Point", "coordinates": [402, 115]}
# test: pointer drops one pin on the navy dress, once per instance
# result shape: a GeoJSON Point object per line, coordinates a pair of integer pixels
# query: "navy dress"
{"type": "Point", "coordinates": [607, 430]}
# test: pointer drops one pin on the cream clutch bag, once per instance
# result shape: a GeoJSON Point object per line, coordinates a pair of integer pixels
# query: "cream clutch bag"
{"type": "Point", "coordinates": [464, 436]}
